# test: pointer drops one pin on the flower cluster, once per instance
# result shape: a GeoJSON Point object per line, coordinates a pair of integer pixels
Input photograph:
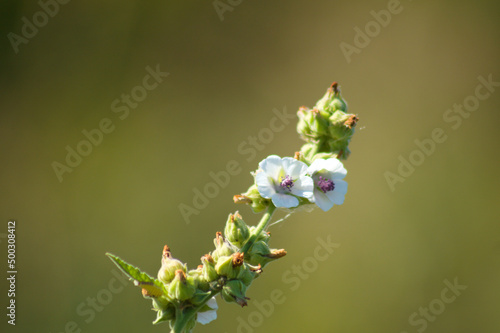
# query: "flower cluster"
{"type": "Point", "coordinates": [327, 128]}
{"type": "Point", "coordinates": [314, 176]}
{"type": "Point", "coordinates": [287, 181]}
{"type": "Point", "coordinates": [184, 297]}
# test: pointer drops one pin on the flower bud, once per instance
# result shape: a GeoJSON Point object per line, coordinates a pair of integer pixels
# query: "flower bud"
{"type": "Point", "coordinates": [229, 266]}
{"type": "Point", "coordinates": [165, 311]}
{"type": "Point", "coordinates": [263, 236]}
{"type": "Point", "coordinates": [197, 276]}
{"type": "Point", "coordinates": [208, 271]}
{"type": "Point", "coordinates": [332, 100]}
{"type": "Point", "coordinates": [312, 124]}
{"type": "Point", "coordinates": [168, 266]}
{"type": "Point", "coordinates": [253, 197]}
{"type": "Point", "coordinates": [236, 230]}
{"type": "Point", "coordinates": [341, 131]}
{"type": "Point", "coordinates": [182, 287]}
{"type": "Point", "coordinates": [222, 247]}
{"type": "Point", "coordinates": [234, 291]}
{"type": "Point", "coordinates": [261, 254]}
{"type": "Point", "coordinates": [248, 273]}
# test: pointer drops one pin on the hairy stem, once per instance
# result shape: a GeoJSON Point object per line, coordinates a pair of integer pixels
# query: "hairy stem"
{"type": "Point", "coordinates": [261, 226]}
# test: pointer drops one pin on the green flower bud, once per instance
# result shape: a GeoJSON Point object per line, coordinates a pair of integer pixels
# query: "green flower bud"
{"type": "Point", "coordinates": [236, 230]}
{"type": "Point", "coordinates": [182, 287]}
{"type": "Point", "coordinates": [222, 247]}
{"type": "Point", "coordinates": [208, 271]}
{"type": "Point", "coordinates": [248, 273]}
{"type": "Point", "coordinates": [197, 275]}
{"type": "Point", "coordinates": [341, 131]}
{"type": "Point", "coordinates": [312, 124]}
{"type": "Point", "coordinates": [253, 197]}
{"type": "Point", "coordinates": [332, 100]}
{"type": "Point", "coordinates": [229, 266]}
{"type": "Point", "coordinates": [261, 254]}
{"type": "Point", "coordinates": [263, 236]}
{"type": "Point", "coordinates": [168, 266]}
{"type": "Point", "coordinates": [165, 311]}
{"type": "Point", "coordinates": [234, 291]}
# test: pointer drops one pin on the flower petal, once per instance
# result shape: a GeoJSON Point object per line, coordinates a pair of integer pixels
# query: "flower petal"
{"type": "Point", "coordinates": [293, 167]}
{"type": "Point", "coordinates": [272, 166]}
{"type": "Point", "coordinates": [337, 196]}
{"type": "Point", "coordinates": [322, 200]}
{"type": "Point", "coordinates": [264, 185]}
{"type": "Point", "coordinates": [336, 167]}
{"type": "Point", "coordinates": [303, 187]}
{"type": "Point", "coordinates": [284, 200]}
{"type": "Point", "coordinates": [317, 165]}
{"type": "Point", "coordinates": [208, 316]}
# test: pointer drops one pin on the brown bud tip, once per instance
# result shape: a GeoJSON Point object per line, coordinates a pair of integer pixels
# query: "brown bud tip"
{"type": "Point", "coordinates": [302, 110]}
{"type": "Point", "coordinates": [238, 259]}
{"type": "Point", "coordinates": [257, 269]}
{"type": "Point", "coordinates": [199, 267]}
{"type": "Point", "coordinates": [166, 252]}
{"type": "Point", "coordinates": [241, 199]}
{"type": "Point", "coordinates": [315, 112]}
{"type": "Point", "coordinates": [351, 122]}
{"type": "Point", "coordinates": [276, 254]}
{"type": "Point", "coordinates": [208, 258]}
{"type": "Point", "coordinates": [242, 301]}
{"type": "Point", "coordinates": [180, 275]}
{"type": "Point", "coordinates": [335, 87]}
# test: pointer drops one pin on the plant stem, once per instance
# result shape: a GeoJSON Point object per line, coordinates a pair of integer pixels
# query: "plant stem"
{"type": "Point", "coordinates": [261, 226]}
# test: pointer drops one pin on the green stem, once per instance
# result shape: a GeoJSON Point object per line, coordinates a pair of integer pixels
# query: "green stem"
{"type": "Point", "coordinates": [261, 226]}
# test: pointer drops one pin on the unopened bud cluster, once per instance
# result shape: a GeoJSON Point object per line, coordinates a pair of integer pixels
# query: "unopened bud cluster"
{"type": "Point", "coordinates": [327, 127]}
{"type": "Point", "coordinates": [226, 269]}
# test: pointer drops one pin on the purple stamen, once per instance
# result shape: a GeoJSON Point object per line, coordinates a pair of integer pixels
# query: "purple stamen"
{"type": "Point", "coordinates": [325, 185]}
{"type": "Point", "coordinates": [286, 183]}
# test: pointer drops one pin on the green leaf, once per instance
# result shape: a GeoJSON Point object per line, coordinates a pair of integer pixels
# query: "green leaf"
{"type": "Point", "coordinates": [143, 280]}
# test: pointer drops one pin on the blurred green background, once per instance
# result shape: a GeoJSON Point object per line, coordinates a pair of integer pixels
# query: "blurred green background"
{"type": "Point", "coordinates": [225, 77]}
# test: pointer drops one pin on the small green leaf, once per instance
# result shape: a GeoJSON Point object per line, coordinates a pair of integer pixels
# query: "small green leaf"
{"type": "Point", "coordinates": [141, 279]}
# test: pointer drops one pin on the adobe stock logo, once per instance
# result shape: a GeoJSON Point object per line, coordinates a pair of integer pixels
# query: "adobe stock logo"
{"type": "Point", "coordinates": [437, 306]}
{"type": "Point", "coordinates": [372, 29]}
{"type": "Point", "coordinates": [121, 106]}
{"type": "Point", "coordinates": [50, 8]}
{"type": "Point", "coordinates": [428, 146]}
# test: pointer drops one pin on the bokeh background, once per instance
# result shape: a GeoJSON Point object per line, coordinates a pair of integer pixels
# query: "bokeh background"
{"type": "Point", "coordinates": [225, 78]}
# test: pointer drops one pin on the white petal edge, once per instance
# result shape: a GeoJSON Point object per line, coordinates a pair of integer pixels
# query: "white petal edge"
{"type": "Point", "coordinates": [322, 200]}
{"type": "Point", "coordinates": [284, 200]}
{"type": "Point", "coordinates": [264, 185]}
{"type": "Point", "coordinates": [210, 315]}
{"type": "Point", "coordinates": [272, 166]}
{"type": "Point", "coordinates": [293, 167]}
{"type": "Point", "coordinates": [337, 196]}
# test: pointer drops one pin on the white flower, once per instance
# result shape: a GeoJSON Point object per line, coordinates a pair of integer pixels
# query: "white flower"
{"type": "Point", "coordinates": [208, 316]}
{"type": "Point", "coordinates": [283, 180]}
{"type": "Point", "coordinates": [329, 188]}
